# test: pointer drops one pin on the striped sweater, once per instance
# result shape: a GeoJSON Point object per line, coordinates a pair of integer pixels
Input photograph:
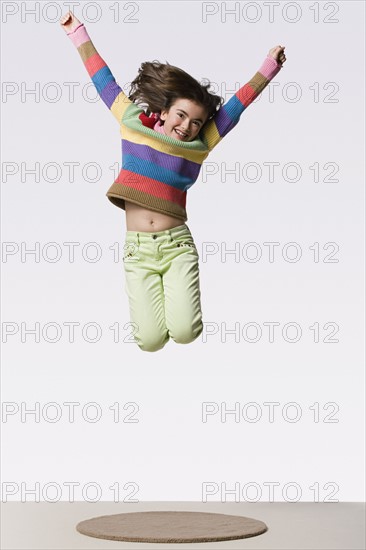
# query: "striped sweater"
{"type": "Point", "coordinates": [157, 170]}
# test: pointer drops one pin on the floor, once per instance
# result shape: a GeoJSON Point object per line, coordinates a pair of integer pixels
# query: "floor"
{"type": "Point", "coordinates": [301, 525]}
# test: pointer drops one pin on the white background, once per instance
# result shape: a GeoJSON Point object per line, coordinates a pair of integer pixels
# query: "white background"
{"type": "Point", "coordinates": [314, 115]}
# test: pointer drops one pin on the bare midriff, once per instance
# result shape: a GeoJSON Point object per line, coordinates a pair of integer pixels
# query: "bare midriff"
{"type": "Point", "coordinates": [139, 218]}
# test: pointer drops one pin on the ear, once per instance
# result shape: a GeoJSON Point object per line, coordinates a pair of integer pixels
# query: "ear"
{"type": "Point", "coordinates": [163, 114]}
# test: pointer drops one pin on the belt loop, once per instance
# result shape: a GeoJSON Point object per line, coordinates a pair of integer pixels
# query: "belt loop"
{"type": "Point", "coordinates": [138, 238]}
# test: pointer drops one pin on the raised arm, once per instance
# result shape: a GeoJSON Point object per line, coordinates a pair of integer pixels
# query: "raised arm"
{"type": "Point", "coordinates": [107, 87]}
{"type": "Point", "coordinates": [229, 114]}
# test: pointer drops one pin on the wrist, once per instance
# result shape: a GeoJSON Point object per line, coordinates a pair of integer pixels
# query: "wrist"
{"type": "Point", "coordinates": [76, 28]}
{"type": "Point", "coordinates": [274, 60]}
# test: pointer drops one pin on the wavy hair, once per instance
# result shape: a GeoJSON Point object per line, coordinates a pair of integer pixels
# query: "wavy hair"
{"type": "Point", "coordinates": [158, 85]}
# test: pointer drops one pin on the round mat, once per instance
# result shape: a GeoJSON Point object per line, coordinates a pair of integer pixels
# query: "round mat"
{"type": "Point", "coordinates": [171, 527]}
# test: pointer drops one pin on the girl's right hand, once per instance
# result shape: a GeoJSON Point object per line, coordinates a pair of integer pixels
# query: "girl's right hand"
{"type": "Point", "coordinates": [69, 22]}
{"type": "Point", "coordinates": [278, 54]}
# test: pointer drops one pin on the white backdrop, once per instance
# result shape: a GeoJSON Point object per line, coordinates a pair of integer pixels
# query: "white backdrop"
{"type": "Point", "coordinates": [284, 333]}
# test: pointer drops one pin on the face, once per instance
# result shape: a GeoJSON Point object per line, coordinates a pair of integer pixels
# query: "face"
{"type": "Point", "coordinates": [184, 119]}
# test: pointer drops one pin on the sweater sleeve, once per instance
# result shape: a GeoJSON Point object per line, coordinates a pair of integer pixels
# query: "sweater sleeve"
{"type": "Point", "coordinates": [108, 89]}
{"type": "Point", "coordinates": [227, 117]}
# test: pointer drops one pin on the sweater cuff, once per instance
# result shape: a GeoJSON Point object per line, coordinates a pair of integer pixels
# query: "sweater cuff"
{"type": "Point", "coordinates": [79, 35]}
{"type": "Point", "coordinates": [277, 62]}
{"type": "Point", "coordinates": [270, 67]}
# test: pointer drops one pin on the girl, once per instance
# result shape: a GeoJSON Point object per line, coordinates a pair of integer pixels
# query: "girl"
{"type": "Point", "coordinates": [169, 124]}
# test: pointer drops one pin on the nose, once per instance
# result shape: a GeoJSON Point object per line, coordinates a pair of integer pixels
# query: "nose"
{"type": "Point", "coordinates": [186, 125]}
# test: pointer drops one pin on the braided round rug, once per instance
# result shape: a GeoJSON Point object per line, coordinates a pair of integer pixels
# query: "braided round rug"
{"type": "Point", "coordinates": [169, 527]}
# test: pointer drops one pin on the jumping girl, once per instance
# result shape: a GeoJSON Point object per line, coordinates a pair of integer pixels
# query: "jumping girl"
{"type": "Point", "coordinates": [169, 123]}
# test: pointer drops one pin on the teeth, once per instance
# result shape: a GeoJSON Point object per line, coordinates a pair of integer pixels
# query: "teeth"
{"type": "Point", "coordinates": [180, 133]}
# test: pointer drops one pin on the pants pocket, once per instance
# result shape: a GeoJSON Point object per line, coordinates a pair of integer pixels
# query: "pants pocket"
{"type": "Point", "coordinates": [185, 243]}
{"type": "Point", "coordinates": [130, 251]}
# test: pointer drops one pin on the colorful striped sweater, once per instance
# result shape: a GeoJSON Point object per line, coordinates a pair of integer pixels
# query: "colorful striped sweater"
{"type": "Point", "coordinates": [157, 170]}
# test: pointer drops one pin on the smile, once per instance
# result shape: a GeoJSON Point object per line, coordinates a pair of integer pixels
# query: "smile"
{"type": "Point", "coordinates": [180, 133]}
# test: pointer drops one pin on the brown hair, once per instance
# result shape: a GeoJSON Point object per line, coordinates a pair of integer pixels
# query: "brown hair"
{"type": "Point", "coordinates": [158, 85]}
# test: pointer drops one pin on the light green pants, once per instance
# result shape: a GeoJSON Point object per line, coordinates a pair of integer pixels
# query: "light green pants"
{"type": "Point", "coordinates": [162, 284]}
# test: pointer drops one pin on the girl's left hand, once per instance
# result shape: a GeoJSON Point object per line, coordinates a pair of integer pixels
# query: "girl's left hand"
{"type": "Point", "coordinates": [278, 54]}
